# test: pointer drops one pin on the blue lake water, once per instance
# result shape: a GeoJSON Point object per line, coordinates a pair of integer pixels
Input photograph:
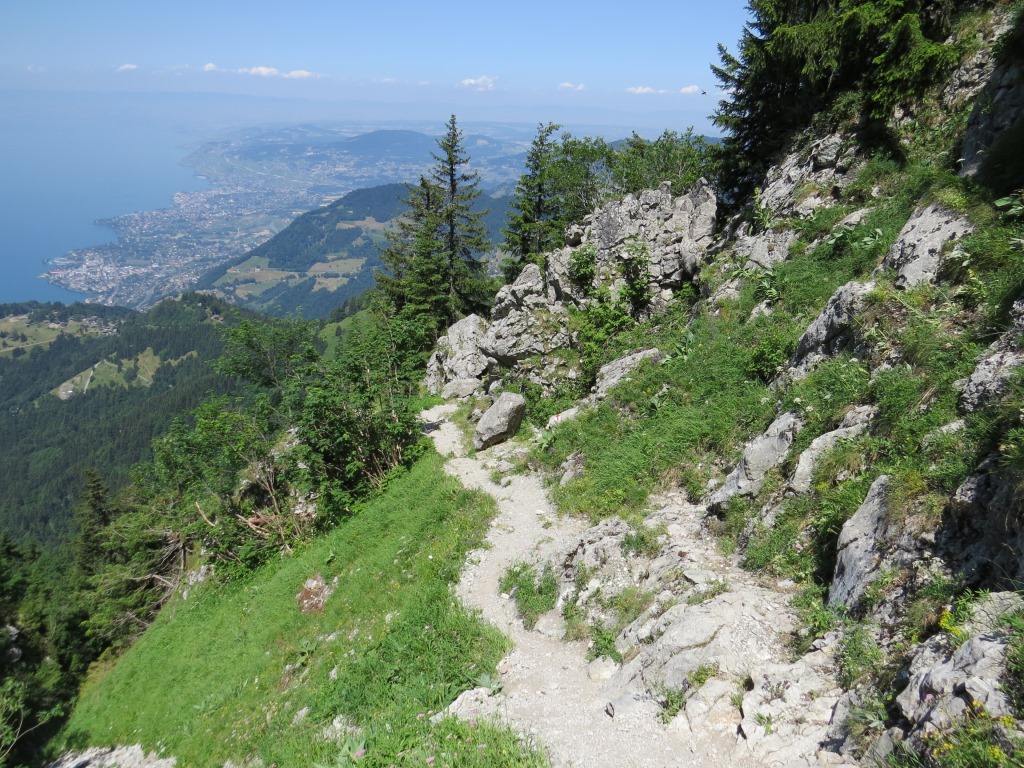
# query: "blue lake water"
{"type": "Point", "coordinates": [66, 162]}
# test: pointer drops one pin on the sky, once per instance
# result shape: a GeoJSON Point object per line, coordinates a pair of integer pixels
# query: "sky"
{"type": "Point", "coordinates": [527, 61]}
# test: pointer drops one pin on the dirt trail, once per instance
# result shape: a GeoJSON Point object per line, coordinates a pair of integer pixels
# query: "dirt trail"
{"type": "Point", "coordinates": [548, 691]}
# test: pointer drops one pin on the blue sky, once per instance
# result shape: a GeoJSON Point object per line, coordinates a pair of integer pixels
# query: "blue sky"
{"type": "Point", "coordinates": [537, 60]}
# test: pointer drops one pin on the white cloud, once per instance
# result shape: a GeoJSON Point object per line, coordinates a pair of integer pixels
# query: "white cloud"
{"type": "Point", "coordinates": [127, 68]}
{"type": "Point", "coordinates": [260, 71]}
{"type": "Point", "coordinates": [690, 89]}
{"type": "Point", "coordinates": [482, 83]}
{"type": "Point", "coordinates": [295, 74]}
{"type": "Point", "coordinates": [35, 69]}
{"type": "Point", "coordinates": [640, 89]}
{"type": "Point", "coordinates": [571, 86]}
{"type": "Point", "coordinates": [211, 67]}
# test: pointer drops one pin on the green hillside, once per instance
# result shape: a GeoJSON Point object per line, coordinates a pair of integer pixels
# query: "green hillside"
{"type": "Point", "coordinates": [325, 256]}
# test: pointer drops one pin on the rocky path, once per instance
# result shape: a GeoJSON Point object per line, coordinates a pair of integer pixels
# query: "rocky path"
{"type": "Point", "coordinates": [552, 692]}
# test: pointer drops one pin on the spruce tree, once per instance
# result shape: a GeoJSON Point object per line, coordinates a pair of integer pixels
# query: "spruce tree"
{"type": "Point", "coordinates": [534, 224]}
{"type": "Point", "coordinates": [463, 234]}
{"type": "Point", "coordinates": [417, 283]}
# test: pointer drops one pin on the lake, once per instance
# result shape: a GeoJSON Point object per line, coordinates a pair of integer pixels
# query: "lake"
{"type": "Point", "coordinates": [68, 160]}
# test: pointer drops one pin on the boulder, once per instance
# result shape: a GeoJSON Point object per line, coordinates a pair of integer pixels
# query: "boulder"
{"type": "Point", "coordinates": [501, 421]}
{"type": "Point", "coordinates": [760, 454]}
{"type": "Point", "coordinates": [859, 547]}
{"type": "Point", "coordinates": [918, 251]}
{"type": "Point", "coordinates": [831, 332]}
{"type": "Point", "coordinates": [457, 355]}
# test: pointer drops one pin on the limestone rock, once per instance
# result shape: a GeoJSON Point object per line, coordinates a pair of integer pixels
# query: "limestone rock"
{"type": "Point", "coordinates": [501, 421]}
{"type": "Point", "coordinates": [614, 372]}
{"type": "Point", "coordinates": [114, 757]}
{"type": "Point", "coordinates": [672, 233]}
{"type": "Point", "coordinates": [809, 178]}
{"type": "Point", "coordinates": [984, 532]}
{"type": "Point", "coordinates": [996, 90]}
{"type": "Point", "coordinates": [945, 681]}
{"type": "Point", "coordinates": [458, 355]}
{"type": "Point", "coordinates": [917, 253]}
{"type": "Point", "coordinates": [832, 331]}
{"type": "Point", "coordinates": [990, 379]}
{"type": "Point", "coordinates": [764, 250]}
{"type": "Point", "coordinates": [460, 388]}
{"type": "Point", "coordinates": [524, 323]}
{"type": "Point", "coordinates": [567, 415]}
{"type": "Point", "coordinates": [854, 423]}
{"type": "Point", "coordinates": [760, 455]}
{"type": "Point", "coordinates": [859, 547]}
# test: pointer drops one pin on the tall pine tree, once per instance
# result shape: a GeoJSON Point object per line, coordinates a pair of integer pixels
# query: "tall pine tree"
{"type": "Point", "coordinates": [432, 254]}
{"type": "Point", "coordinates": [534, 224]}
{"type": "Point", "coordinates": [463, 234]}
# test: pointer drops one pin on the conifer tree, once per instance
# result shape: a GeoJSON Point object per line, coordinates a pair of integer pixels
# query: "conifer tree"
{"type": "Point", "coordinates": [463, 234]}
{"type": "Point", "coordinates": [534, 225]}
{"type": "Point", "coordinates": [414, 255]}
{"type": "Point", "coordinates": [92, 516]}
{"type": "Point", "coordinates": [432, 251]}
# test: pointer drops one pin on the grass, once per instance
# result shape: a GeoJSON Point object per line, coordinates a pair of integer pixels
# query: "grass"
{"type": "Point", "coordinates": [535, 594]}
{"type": "Point", "coordinates": [237, 672]}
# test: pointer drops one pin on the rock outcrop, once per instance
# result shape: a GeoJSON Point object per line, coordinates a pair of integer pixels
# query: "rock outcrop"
{"type": "Point", "coordinates": [616, 371]}
{"type": "Point", "coordinates": [530, 321]}
{"type": "Point", "coordinates": [922, 243]}
{"type": "Point", "coordinates": [760, 455]}
{"type": "Point", "coordinates": [810, 178]}
{"type": "Point", "coordinates": [458, 355]}
{"type": "Point", "coordinates": [524, 323]}
{"type": "Point", "coordinates": [671, 235]}
{"type": "Point", "coordinates": [983, 534]}
{"type": "Point", "coordinates": [853, 424]}
{"type": "Point", "coordinates": [996, 89]}
{"type": "Point", "coordinates": [859, 548]}
{"type": "Point", "coordinates": [946, 682]}
{"type": "Point", "coordinates": [831, 332]}
{"type": "Point", "coordinates": [990, 380]}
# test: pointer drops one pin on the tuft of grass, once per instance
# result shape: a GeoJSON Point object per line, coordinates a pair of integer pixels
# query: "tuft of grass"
{"type": "Point", "coordinates": [859, 655]}
{"type": "Point", "coordinates": [710, 591]}
{"type": "Point", "coordinates": [642, 540]}
{"type": "Point", "coordinates": [535, 594]}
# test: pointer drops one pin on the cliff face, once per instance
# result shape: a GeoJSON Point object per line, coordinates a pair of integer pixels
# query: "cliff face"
{"type": "Point", "coordinates": [882, 538]}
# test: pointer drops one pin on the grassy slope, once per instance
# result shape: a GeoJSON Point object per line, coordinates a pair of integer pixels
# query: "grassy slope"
{"type": "Point", "coordinates": [223, 674]}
